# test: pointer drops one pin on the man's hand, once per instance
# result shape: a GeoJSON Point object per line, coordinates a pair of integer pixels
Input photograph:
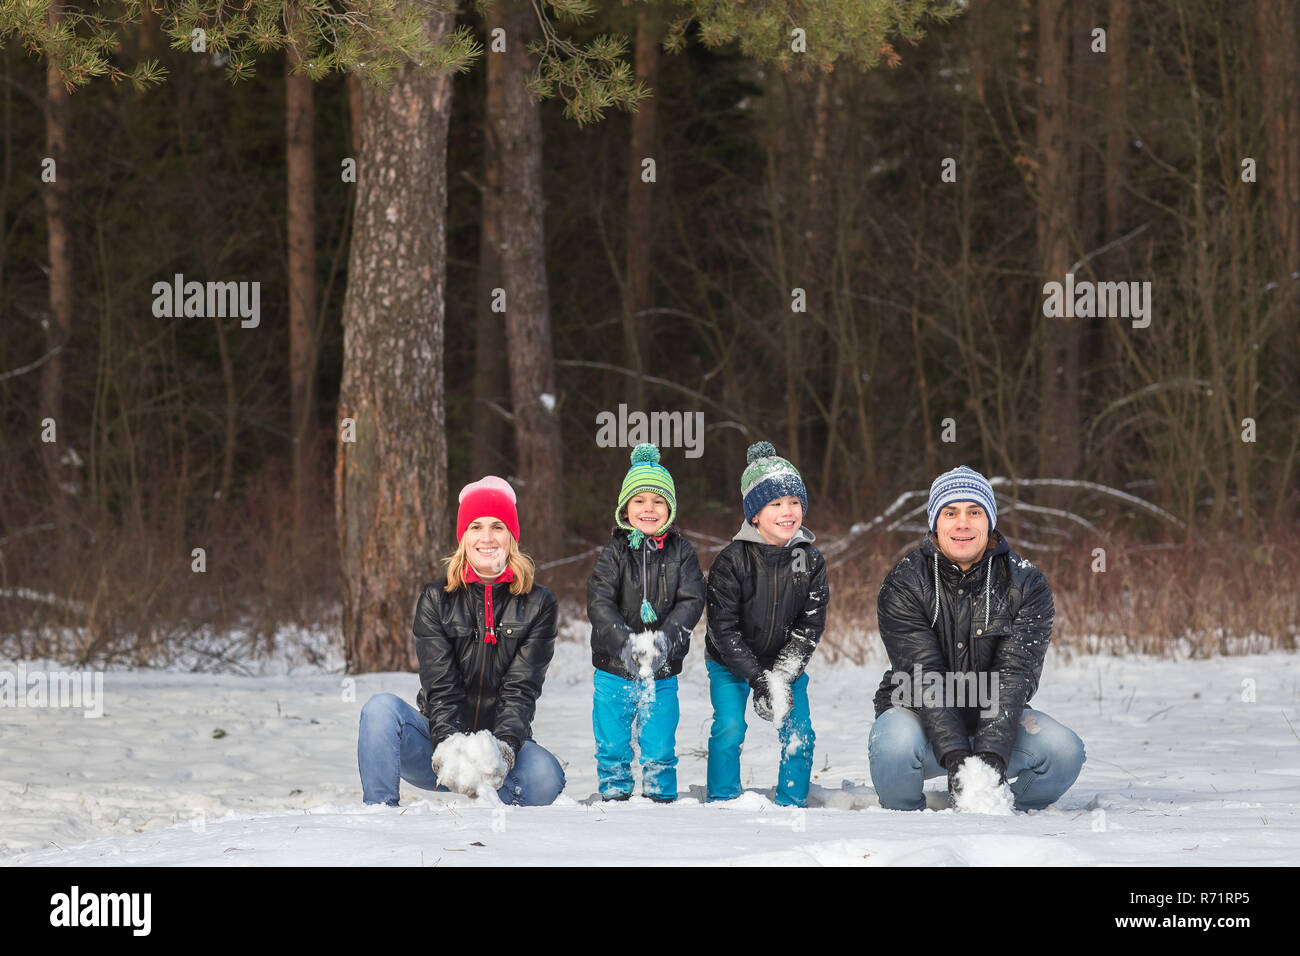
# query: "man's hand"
{"type": "Point", "coordinates": [952, 762]}
{"type": "Point", "coordinates": [994, 761]}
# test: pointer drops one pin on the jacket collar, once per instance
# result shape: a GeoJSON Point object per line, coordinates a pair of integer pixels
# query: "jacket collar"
{"type": "Point", "coordinates": [471, 576]}
{"type": "Point", "coordinates": [652, 543]}
{"type": "Point", "coordinates": [748, 532]}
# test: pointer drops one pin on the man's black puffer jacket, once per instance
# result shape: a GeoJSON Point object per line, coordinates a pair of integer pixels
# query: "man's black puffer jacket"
{"type": "Point", "coordinates": [469, 684]}
{"type": "Point", "coordinates": [1012, 644]}
{"type": "Point", "coordinates": [674, 587]}
{"type": "Point", "coordinates": [767, 604]}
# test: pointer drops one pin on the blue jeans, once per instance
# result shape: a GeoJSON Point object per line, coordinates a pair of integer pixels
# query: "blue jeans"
{"type": "Point", "coordinates": [728, 692]}
{"type": "Point", "coordinates": [1045, 760]}
{"type": "Point", "coordinates": [394, 743]}
{"type": "Point", "coordinates": [617, 709]}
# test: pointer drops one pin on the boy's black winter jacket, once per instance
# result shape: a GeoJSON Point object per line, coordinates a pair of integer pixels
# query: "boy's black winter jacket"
{"type": "Point", "coordinates": [1012, 644]}
{"type": "Point", "coordinates": [468, 684]}
{"type": "Point", "coordinates": [767, 604]}
{"type": "Point", "coordinates": [674, 587]}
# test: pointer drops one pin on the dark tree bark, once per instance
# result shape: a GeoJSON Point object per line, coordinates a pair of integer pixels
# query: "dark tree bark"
{"type": "Point", "coordinates": [1058, 434]}
{"type": "Point", "coordinates": [299, 125]}
{"type": "Point", "coordinates": [1278, 26]}
{"type": "Point", "coordinates": [1117, 33]}
{"type": "Point", "coordinates": [517, 128]}
{"type": "Point", "coordinates": [58, 326]}
{"type": "Point", "coordinates": [490, 453]}
{"type": "Point", "coordinates": [391, 483]}
{"type": "Point", "coordinates": [638, 295]}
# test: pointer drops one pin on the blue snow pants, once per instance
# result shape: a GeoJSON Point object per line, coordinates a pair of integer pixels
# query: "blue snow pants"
{"type": "Point", "coordinates": [729, 694]}
{"type": "Point", "coordinates": [620, 708]}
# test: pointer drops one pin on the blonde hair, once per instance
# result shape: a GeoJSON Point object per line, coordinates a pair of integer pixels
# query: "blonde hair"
{"type": "Point", "coordinates": [518, 562]}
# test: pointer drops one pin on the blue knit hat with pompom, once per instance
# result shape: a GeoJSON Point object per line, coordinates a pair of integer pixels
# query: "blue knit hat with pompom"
{"type": "Point", "coordinates": [768, 476]}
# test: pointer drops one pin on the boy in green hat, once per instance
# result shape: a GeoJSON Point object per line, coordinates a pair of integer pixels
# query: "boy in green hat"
{"type": "Point", "coordinates": [644, 596]}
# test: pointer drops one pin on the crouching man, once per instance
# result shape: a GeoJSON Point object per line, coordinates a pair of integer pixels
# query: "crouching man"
{"type": "Point", "coordinates": [966, 623]}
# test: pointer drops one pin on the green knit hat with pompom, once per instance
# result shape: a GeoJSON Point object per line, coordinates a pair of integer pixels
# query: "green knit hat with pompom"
{"type": "Point", "coordinates": [646, 474]}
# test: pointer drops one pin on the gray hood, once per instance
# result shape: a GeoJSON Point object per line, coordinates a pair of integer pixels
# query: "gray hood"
{"type": "Point", "coordinates": [748, 532]}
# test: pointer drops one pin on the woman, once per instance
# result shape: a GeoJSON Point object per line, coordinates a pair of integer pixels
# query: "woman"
{"type": "Point", "coordinates": [484, 636]}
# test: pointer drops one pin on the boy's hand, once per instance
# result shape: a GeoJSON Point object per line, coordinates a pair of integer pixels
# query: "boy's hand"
{"type": "Point", "coordinates": [662, 646]}
{"type": "Point", "coordinates": [645, 653]}
{"type": "Point", "coordinates": [762, 696]}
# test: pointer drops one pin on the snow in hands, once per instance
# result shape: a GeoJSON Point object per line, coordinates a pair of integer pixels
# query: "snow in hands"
{"type": "Point", "coordinates": [643, 652]}
{"type": "Point", "coordinates": [778, 687]}
{"type": "Point", "coordinates": [979, 790]}
{"type": "Point", "coordinates": [471, 763]}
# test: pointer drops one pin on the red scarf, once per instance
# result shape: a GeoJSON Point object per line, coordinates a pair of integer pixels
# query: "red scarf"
{"type": "Point", "coordinates": [470, 575]}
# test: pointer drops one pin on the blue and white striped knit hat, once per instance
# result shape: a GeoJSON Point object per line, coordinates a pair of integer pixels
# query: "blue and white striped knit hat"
{"type": "Point", "coordinates": [961, 484]}
{"type": "Point", "coordinates": [767, 477]}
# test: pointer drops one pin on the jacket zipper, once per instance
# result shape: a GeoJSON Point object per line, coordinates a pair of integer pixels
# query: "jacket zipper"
{"type": "Point", "coordinates": [478, 700]}
{"type": "Point", "coordinates": [767, 643]}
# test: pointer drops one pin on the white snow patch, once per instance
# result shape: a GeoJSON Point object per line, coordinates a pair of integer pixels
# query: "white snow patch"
{"type": "Point", "coordinates": [471, 763]}
{"type": "Point", "coordinates": [979, 790]}
{"type": "Point", "coordinates": [149, 784]}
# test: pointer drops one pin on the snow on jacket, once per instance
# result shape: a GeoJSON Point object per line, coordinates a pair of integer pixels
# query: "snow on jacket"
{"type": "Point", "coordinates": [674, 586]}
{"type": "Point", "coordinates": [767, 604]}
{"type": "Point", "coordinates": [995, 617]}
{"type": "Point", "coordinates": [469, 683]}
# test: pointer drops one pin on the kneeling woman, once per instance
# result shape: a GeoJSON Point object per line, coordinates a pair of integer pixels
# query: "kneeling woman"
{"type": "Point", "coordinates": [484, 636]}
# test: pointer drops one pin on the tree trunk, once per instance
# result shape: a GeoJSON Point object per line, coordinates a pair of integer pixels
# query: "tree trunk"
{"type": "Point", "coordinates": [148, 35]}
{"type": "Point", "coordinates": [1116, 117]}
{"type": "Point", "coordinates": [1058, 443]}
{"type": "Point", "coordinates": [517, 127]}
{"type": "Point", "coordinates": [489, 451]}
{"type": "Point", "coordinates": [390, 483]}
{"type": "Point", "coordinates": [299, 123]}
{"type": "Point", "coordinates": [1279, 70]}
{"type": "Point", "coordinates": [58, 327]}
{"type": "Point", "coordinates": [354, 113]}
{"type": "Point", "coordinates": [638, 296]}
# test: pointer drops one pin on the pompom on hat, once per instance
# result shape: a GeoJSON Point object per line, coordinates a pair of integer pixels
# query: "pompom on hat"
{"type": "Point", "coordinates": [489, 497]}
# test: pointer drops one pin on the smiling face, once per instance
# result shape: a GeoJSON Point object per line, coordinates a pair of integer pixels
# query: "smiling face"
{"type": "Point", "coordinates": [779, 519]}
{"type": "Point", "coordinates": [487, 546]}
{"type": "Point", "coordinates": [647, 512]}
{"type": "Point", "coordinates": [962, 530]}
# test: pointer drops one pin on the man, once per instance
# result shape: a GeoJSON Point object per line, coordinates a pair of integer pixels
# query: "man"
{"type": "Point", "coordinates": [966, 623]}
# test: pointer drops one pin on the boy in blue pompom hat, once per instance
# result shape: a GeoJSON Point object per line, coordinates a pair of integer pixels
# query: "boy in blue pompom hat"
{"type": "Point", "coordinates": [768, 596]}
{"type": "Point", "coordinates": [644, 596]}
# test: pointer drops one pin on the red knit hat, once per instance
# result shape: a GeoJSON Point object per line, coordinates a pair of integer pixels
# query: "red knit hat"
{"type": "Point", "coordinates": [489, 497]}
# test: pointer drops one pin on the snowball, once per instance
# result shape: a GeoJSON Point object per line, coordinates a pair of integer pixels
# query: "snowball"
{"type": "Point", "coordinates": [471, 763]}
{"type": "Point", "coordinates": [643, 652]}
{"type": "Point", "coordinates": [979, 790]}
{"type": "Point", "coordinates": [782, 699]}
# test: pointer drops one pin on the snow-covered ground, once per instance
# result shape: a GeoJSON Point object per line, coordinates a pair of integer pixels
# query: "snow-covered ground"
{"type": "Point", "coordinates": [1189, 762]}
